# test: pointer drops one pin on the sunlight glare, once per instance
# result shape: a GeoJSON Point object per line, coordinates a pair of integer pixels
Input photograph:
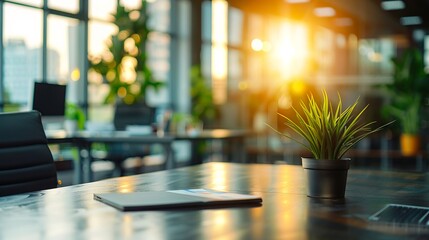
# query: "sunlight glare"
{"type": "Point", "coordinates": [126, 185]}
{"type": "Point", "coordinates": [219, 50]}
{"type": "Point", "coordinates": [291, 52]}
{"type": "Point", "coordinates": [257, 45]}
{"type": "Point", "coordinates": [219, 21]}
{"type": "Point", "coordinates": [298, 88]}
{"type": "Point", "coordinates": [324, 12]}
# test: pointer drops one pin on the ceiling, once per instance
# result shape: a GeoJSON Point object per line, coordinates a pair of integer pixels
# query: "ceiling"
{"type": "Point", "coordinates": [367, 17]}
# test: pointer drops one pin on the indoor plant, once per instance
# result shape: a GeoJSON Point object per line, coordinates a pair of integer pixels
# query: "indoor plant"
{"type": "Point", "coordinates": [329, 132]}
{"type": "Point", "coordinates": [74, 118]}
{"type": "Point", "coordinates": [202, 109]}
{"type": "Point", "coordinates": [124, 66]}
{"type": "Point", "coordinates": [407, 94]}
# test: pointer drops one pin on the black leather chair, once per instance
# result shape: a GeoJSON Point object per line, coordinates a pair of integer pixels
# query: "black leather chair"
{"type": "Point", "coordinates": [26, 163]}
{"type": "Point", "coordinates": [135, 114]}
{"type": "Point", "coordinates": [125, 115]}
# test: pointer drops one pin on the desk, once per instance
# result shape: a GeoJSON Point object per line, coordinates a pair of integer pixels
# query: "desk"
{"type": "Point", "coordinates": [84, 141]}
{"type": "Point", "coordinates": [232, 141]}
{"type": "Point", "coordinates": [286, 213]}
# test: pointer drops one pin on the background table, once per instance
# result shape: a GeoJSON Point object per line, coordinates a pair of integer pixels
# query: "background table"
{"type": "Point", "coordinates": [84, 140]}
{"type": "Point", "coordinates": [232, 139]}
{"type": "Point", "coordinates": [286, 213]}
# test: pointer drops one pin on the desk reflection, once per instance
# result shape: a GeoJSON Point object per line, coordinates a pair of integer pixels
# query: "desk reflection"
{"type": "Point", "coordinates": [286, 212]}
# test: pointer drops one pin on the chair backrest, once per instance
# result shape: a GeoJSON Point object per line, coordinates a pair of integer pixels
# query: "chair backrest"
{"type": "Point", "coordinates": [26, 162]}
{"type": "Point", "coordinates": [135, 114]}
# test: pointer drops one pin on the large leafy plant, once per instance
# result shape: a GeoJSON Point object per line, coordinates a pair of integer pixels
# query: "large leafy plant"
{"type": "Point", "coordinates": [408, 90]}
{"type": "Point", "coordinates": [203, 107]}
{"type": "Point", "coordinates": [329, 131]}
{"type": "Point", "coordinates": [124, 65]}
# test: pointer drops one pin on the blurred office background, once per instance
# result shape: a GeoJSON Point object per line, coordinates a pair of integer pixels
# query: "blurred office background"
{"type": "Point", "coordinates": [255, 57]}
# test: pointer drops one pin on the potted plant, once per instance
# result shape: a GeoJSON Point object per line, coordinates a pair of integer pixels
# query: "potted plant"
{"type": "Point", "coordinates": [74, 118]}
{"type": "Point", "coordinates": [407, 94]}
{"type": "Point", "coordinates": [329, 132]}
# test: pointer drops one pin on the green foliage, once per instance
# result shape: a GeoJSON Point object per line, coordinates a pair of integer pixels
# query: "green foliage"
{"type": "Point", "coordinates": [127, 52]}
{"type": "Point", "coordinates": [74, 112]}
{"type": "Point", "coordinates": [408, 91]}
{"type": "Point", "coordinates": [203, 107]}
{"type": "Point", "coordinates": [407, 110]}
{"type": "Point", "coordinates": [329, 131]}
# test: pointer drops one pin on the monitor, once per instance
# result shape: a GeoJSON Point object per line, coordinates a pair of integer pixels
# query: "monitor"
{"type": "Point", "coordinates": [50, 100]}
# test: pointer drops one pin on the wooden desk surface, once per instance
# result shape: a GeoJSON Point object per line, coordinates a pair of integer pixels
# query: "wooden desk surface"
{"type": "Point", "coordinates": [286, 213]}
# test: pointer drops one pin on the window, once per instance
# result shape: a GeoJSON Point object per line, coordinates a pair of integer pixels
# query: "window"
{"type": "Point", "coordinates": [51, 46]}
{"type": "Point", "coordinates": [34, 53]}
{"type": "Point", "coordinates": [160, 15]}
{"type": "Point", "coordinates": [63, 53]}
{"type": "Point", "coordinates": [22, 31]}
{"type": "Point", "coordinates": [101, 9]}
{"type": "Point", "coordinates": [71, 6]}
{"type": "Point", "coordinates": [37, 3]}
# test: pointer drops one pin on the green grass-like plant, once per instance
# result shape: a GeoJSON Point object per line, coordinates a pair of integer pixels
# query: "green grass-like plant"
{"type": "Point", "coordinates": [329, 131]}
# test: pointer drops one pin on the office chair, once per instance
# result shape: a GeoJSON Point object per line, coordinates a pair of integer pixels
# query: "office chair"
{"type": "Point", "coordinates": [126, 115]}
{"type": "Point", "coordinates": [135, 114]}
{"type": "Point", "coordinates": [26, 163]}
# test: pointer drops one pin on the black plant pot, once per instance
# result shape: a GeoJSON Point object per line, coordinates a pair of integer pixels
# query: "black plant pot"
{"type": "Point", "coordinates": [326, 178]}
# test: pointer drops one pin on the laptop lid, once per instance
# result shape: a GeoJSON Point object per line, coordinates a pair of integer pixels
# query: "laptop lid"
{"type": "Point", "coordinates": [198, 198]}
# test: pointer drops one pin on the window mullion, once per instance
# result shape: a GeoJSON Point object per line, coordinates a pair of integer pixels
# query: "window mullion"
{"type": "Point", "coordinates": [1, 60]}
{"type": "Point", "coordinates": [44, 42]}
{"type": "Point", "coordinates": [84, 76]}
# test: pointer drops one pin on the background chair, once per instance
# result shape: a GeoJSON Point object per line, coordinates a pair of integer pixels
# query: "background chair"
{"type": "Point", "coordinates": [26, 163]}
{"type": "Point", "coordinates": [127, 115]}
{"type": "Point", "coordinates": [134, 114]}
